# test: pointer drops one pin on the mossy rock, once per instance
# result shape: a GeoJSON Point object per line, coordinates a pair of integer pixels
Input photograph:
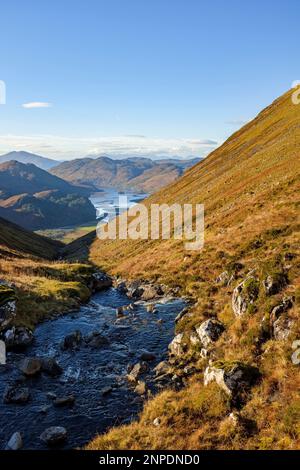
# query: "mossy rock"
{"type": "Point", "coordinates": [7, 294]}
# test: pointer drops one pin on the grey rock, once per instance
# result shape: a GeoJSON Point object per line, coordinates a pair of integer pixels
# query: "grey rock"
{"type": "Point", "coordinates": [72, 341]}
{"type": "Point", "coordinates": [64, 401]}
{"type": "Point", "coordinates": [141, 388]}
{"type": "Point", "coordinates": [147, 356]}
{"type": "Point", "coordinates": [137, 370]}
{"type": "Point", "coordinates": [30, 366]}
{"type": "Point", "coordinates": [176, 346]}
{"type": "Point", "coordinates": [15, 442]}
{"type": "Point", "coordinates": [209, 331]}
{"type": "Point", "coordinates": [17, 395]}
{"type": "Point", "coordinates": [274, 283]}
{"type": "Point", "coordinates": [51, 367]}
{"type": "Point", "coordinates": [54, 435]}
{"type": "Point", "coordinates": [233, 378]}
{"type": "Point", "coordinates": [243, 295]}
{"type": "Point", "coordinates": [101, 281]}
{"type": "Point", "coordinates": [282, 328]}
{"type": "Point", "coordinates": [18, 338]}
{"type": "Point", "coordinates": [96, 340]}
{"type": "Point", "coordinates": [106, 391]}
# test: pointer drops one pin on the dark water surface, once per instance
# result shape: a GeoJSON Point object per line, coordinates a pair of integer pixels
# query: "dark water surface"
{"type": "Point", "coordinates": [87, 371]}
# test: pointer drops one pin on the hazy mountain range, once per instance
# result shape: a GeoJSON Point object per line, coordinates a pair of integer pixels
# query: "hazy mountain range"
{"type": "Point", "coordinates": [139, 174]}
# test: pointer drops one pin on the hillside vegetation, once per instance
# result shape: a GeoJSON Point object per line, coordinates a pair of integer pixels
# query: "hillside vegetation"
{"type": "Point", "coordinates": [44, 286]}
{"type": "Point", "coordinates": [250, 187]}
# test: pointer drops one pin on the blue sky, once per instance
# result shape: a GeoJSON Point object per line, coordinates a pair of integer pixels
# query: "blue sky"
{"type": "Point", "coordinates": [155, 77]}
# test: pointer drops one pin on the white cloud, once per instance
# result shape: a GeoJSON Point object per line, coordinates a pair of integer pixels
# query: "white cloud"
{"type": "Point", "coordinates": [36, 104]}
{"type": "Point", "coordinates": [119, 146]}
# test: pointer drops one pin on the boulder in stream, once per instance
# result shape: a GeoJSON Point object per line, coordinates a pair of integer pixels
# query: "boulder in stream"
{"type": "Point", "coordinates": [30, 366]}
{"type": "Point", "coordinates": [72, 340]}
{"type": "Point", "coordinates": [15, 442]}
{"type": "Point", "coordinates": [54, 435]}
{"type": "Point", "coordinates": [51, 367]}
{"type": "Point", "coordinates": [16, 395]}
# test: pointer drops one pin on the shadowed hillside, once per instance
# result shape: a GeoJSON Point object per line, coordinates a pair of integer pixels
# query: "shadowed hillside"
{"type": "Point", "coordinates": [250, 187]}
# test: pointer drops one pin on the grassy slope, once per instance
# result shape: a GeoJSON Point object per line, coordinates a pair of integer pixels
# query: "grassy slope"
{"type": "Point", "coordinates": [43, 287]}
{"type": "Point", "coordinates": [250, 188]}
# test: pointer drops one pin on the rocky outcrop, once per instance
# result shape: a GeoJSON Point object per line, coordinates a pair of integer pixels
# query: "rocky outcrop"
{"type": "Point", "coordinates": [282, 328]}
{"type": "Point", "coordinates": [209, 331]}
{"type": "Point", "coordinates": [8, 305]}
{"type": "Point", "coordinates": [100, 281]}
{"type": "Point", "coordinates": [64, 401]}
{"type": "Point", "coordinates": [282, 307]}
{"type": "Point", "coordinates": [176, 347]}
{"type": "Point", "coordinates": [233, 377]}
{"type": "Point", "coordinates": [30, 366]}
{"type": "Point", "coordinates": [18, 338]}
{"type": "Point", "coordinates": [244, 295]}
{"type": "Point", "coordinates": [274, 283]}
{"type": "Point", "coordinates": [54, 435]}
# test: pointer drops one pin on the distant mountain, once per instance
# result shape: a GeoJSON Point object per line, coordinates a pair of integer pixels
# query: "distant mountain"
{"type": "Point", "coordinates": [26, 157]}
{"type": "Point", "coordinates": [139, 174]}
{"type": "Point", "coordinates": [35, 199]}
{"type": "Point", "coordinates": [18, 178]}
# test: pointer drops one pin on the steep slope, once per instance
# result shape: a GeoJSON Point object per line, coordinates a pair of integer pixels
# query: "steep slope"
{"type": "Point", "coordinates": [250, 187]}
{"type": "Point", "coordinates": [17, 239]}
{"type": "Point", "coordinates": [27, 157]}
{"type": "Point", "coordinates": [44, 286]}
{"type": "Point", "coordinates": [140, 174]}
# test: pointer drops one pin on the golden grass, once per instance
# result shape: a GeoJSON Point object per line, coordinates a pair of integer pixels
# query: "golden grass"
{"type": "Point", "coordinates": [250, 187]}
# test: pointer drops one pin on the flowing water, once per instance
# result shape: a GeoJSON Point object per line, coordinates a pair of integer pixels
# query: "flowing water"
{"type": "Point", "coordinates": [87, 371]}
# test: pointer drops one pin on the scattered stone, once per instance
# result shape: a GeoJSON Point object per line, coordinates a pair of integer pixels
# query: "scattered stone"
{"type": "Point", "coordinates": [274, 283]}
{"type": "Point", "coordinates": [160, 321]}
{"type": "Point", "coordinates": [30, 366]}
{"type": "Point", "coordinates": [137, 370]}
{"type": "Point", "coordinates": [147, 356]}
{"type": "Point", "coordinates": [285, 304]}
{"type": "Point", "coordinates": [234, 378]}
{"type": "Point", "coordinates": [151, 292]}
{"type": "Point", "coordinates": [161, 368]}
{"type": "Point", "coordinates": [51, 367]}
{"type": "Point", "coordinates": [16, 395]}
{"type": "Point", "coordinates": [51, 395]}
{"type": "Point", "coordinates": [244, 295]}
{"type": "Point", "coordinates": [64, 401]}
{"type": "Point", "coordinates": [106, 391]}
{"type": "Point", "coordinates": [151, 308]}
{"type": "Point", "coordinates": [54, 435]}
{"type": "Point", "coordinates": [282, 328]}
{"type": "Point", "coordinates": [101, 281]}
{"type": "Point", "coordinates": [72, 341]}
{"type": "Point", "coordinates": [96, 340]}
{"type": "Point", "coordinates": [141, 388]}
{"type": "Point", "coordinates": [209, 331]}
{"type": "Point", "coordinates": [120, 312]}
{"type": "Point", "coordinates": [156, 422]}
{"type": "Point", "coordinates": [15, 442]}
{"type": "Point", "coordinates": [18, 338]}
{"type": "Point", "coordinates": [44, 409]}
{"type": "Point", "coordinates": [176, 346]}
